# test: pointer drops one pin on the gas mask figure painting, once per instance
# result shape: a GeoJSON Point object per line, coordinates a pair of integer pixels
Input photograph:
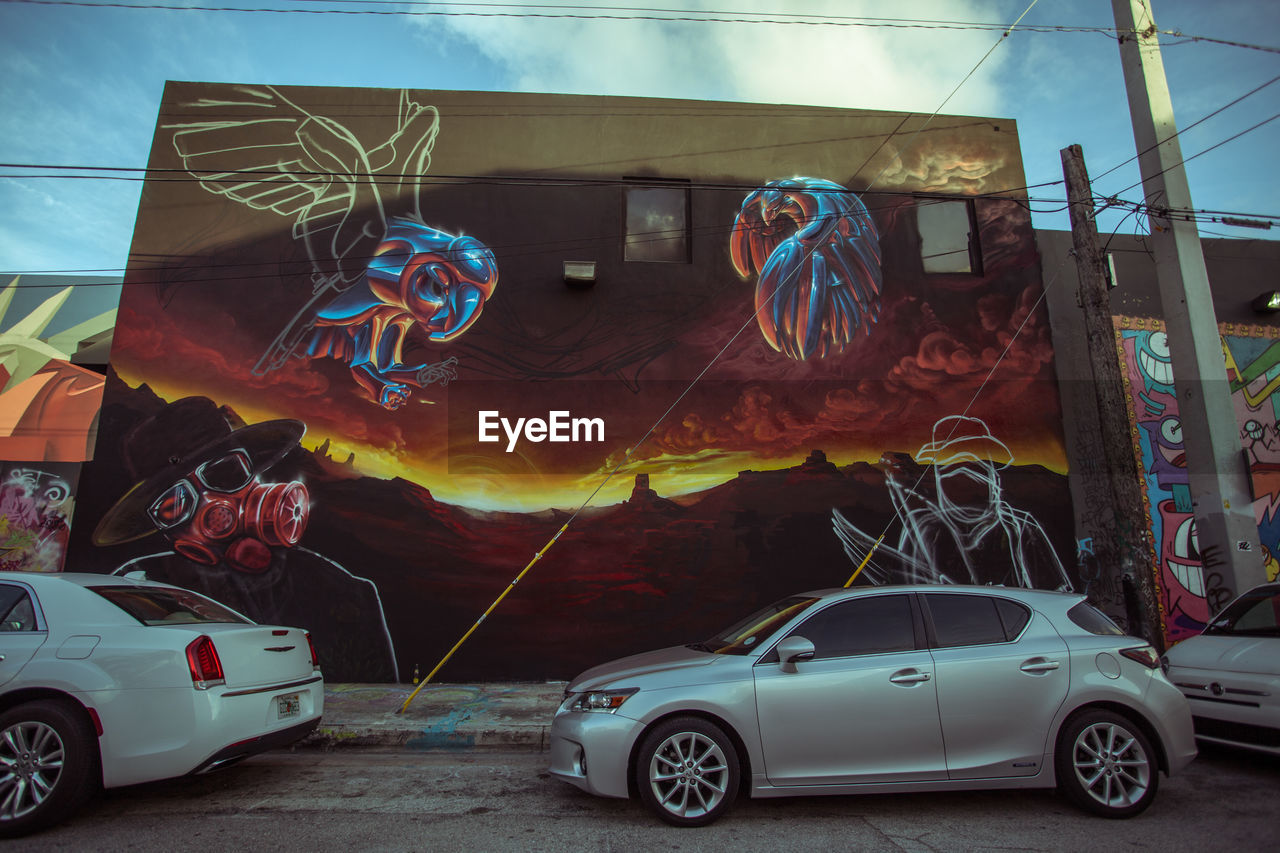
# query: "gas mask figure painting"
{"type": "Point", "coordinates": [236, 536]}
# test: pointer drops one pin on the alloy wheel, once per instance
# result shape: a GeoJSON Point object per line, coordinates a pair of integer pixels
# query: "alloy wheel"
{"type": "Point", "coordinates": [31, 758]}
{"type": "Point", "coordinates": [1111, 765]}
{"type": "Point", "coordinates": [689, 774]}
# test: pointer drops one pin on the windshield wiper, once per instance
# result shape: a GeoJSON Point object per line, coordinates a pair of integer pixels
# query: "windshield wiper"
{"type": "Point", "coordinates": [698, 647]}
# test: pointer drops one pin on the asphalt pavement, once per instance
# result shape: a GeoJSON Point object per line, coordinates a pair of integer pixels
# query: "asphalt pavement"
{"type": "Point", "coordinates": [442, 716]}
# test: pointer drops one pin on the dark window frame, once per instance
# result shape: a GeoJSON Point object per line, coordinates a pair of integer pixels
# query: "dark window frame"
{"type": "Point", "coordinates": [975, 243]}
{"type": "Point", "coordinates": [638, 183]}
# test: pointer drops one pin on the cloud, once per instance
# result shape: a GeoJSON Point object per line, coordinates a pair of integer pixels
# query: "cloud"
{"type": "Point", "coordinates": [843, 66]}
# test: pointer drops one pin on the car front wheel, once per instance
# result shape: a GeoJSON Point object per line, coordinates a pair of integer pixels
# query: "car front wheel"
{"type": "Point", "coordinates": [1106, 765]}
{"type": "Point", "coordinates": [48, 765]}
{"type": "Point", "coordinates": [687, 771]}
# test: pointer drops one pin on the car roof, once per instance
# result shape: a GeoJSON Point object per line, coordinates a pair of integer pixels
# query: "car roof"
{"type": "Point", "coordinates": [1028, 595]}
{"type": "Point", "coordinates": [84, 579]}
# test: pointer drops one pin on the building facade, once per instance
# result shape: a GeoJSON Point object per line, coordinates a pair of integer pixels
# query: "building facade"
{"type": "Point", "coordinates": [377, 348]}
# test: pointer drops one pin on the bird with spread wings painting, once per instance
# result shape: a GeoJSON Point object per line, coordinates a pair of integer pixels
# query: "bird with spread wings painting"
{"type": "Point", "coordinates": [376, 278]}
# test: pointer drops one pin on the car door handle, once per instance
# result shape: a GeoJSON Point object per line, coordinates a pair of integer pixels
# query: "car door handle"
{"type": "Point", "coordinates": [909, 676]}
{"type": "Point", "coordinates": [1039, 665]}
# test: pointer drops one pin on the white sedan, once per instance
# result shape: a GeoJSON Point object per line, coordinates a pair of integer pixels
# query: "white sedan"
{"type": "Point", "coordinates": [1231, 672]}
{"type": "Point", "coordinates": [109, 681]}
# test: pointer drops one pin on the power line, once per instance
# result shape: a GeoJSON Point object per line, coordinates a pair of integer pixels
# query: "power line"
{"type": "Point", "coordinates": [302, 176]}
{"type": "Point", "coordinates": [1181, 131]}
{"type": "Point", "coordinates": [646, 14]}
{"type": "Point", "coordinates": [610, 13]}
{"type": "Point", "coordinates": [1205, 151]}
{"type": "Point", "coordinates": [171, 265]}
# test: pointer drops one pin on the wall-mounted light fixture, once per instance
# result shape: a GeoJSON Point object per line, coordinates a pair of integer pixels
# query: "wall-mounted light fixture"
{"type": "Point", "coordinates": [1267, 302]}
{"type": "Point", "coordinates": [579, 273]}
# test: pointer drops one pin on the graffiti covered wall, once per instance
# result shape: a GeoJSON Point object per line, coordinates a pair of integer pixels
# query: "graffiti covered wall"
{"type": "Point", "coordinates": [1189, 586]}
{"type": "Point", "coordinates": [380, 346]}
{"type": "Point", "coordinates": [48, 425]}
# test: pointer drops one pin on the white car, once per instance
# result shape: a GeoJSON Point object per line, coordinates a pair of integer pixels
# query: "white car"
{"type": "Point", "coordinates": [109, 681]}
{"type": "Point", "coordinates": [1231, 672]}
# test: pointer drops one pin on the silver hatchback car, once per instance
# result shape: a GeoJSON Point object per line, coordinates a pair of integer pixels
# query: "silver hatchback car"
{"type": "Point", "coordinates": [881, 689]}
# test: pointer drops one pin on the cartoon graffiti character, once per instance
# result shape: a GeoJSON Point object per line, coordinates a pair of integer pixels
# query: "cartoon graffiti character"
{"type": "Point", "coordinates": [1182, 587]}
{"type": "Point", "coordinates": [1169, 458]}
{"type": "Point", "coordinates": [816, 251]}
{"type": "Point", "coordinates": [235, 536]}
{"type": "Point", "coordinates": [966, 532]}
{"type": "Point", "coordinates": [1155, 365]}
{"type": "Point", "coordinates": [276, 155]}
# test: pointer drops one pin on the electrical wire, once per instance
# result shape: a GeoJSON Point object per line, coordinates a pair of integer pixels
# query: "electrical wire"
{"type": "Point", "coordinates": [1231, 138]}
{"type": "Point", "coordinates": [594, 13]}
{"type": "Point", "coordinates": [1181, 131]}
{"type": "Point", "coordinates": [751, 318]}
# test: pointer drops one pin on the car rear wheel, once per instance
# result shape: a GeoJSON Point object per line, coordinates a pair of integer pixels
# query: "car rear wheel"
{"type": "Point", "coordinates": [1106, 765]}
{"type": "Point", "coordinates": [687, 771]}
{"type": "Point", "coordinates": [48, 765]}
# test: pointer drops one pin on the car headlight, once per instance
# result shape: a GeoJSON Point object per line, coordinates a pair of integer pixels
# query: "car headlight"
{"type": "Point", "coordinates": [607, 701]}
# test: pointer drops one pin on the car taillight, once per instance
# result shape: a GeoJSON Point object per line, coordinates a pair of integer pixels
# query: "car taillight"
{"type": "Point", "coordinates": [202, 659]}
{"type": "Point", "coordinates": [315, 660]}
{"type": "Point", "coordinates": [1144, 655]}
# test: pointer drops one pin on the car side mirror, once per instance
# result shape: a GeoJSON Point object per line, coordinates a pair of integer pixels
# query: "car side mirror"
{"type": "Point", "coordinates": [793, 650]}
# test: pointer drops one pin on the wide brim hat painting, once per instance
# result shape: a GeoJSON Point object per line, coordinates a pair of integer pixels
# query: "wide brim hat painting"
{"type": "Point", "coordinates": [958, 440]}
{"type": "Point", "coordinates": [170, 444]}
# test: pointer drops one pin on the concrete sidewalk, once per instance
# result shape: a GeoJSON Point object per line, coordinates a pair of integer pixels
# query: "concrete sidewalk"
{"type": "Point", "coordinates": [441, 716]}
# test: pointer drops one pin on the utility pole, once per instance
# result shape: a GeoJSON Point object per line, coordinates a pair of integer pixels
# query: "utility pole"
{"type": "Point", "coordinates": [1128, 551]}
{"type": "Point", "coordinates": [1220, 497]}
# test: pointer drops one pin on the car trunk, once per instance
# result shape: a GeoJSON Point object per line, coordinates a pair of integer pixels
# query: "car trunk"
{"type": "Point", "coordinates": [258, 655]}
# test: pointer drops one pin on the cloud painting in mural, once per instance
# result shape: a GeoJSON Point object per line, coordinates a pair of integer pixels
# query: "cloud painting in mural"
{"type": "Point", "coordinates": [816, 254]}
{"type": "Point", "coordinates": [376, 278]}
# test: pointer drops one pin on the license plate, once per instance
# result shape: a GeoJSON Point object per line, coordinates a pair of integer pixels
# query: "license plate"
{"type": "Point", "coordinates": [288, 706]}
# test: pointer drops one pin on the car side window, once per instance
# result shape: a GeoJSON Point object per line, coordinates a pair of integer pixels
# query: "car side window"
{"type": "Point", "coordinates": [1014, 616]}
{"type": "Point", "coordinates": [16, 612]}
{"type": "Point", "coordinates": [964, 620]}
{"type": "Point", "coordinates": [873, 625]}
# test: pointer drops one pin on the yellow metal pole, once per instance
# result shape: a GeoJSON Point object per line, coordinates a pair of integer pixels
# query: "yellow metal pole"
{"type": "Point", "coordinates": [483, 616]}
{"type": "Point", "coordinates": [863, 564]}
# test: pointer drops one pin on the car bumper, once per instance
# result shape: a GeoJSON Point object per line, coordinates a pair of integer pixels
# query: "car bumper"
{"type": "Point", "coordinates": [592, 750]}
{"type": "Point", "coordinates": [1239, 709]}
{"type": "Point", "coordinates": [1170, 714]}
{"type": "Point", "coordinates": [161, 733]}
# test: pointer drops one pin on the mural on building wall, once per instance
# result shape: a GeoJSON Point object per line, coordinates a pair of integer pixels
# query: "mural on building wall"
{"type": "Point", "coordinates": [958, 527]}
{"type": "Point", "coordinates": [48, 424]}
{"type": "Point", "coordinates": [35, 511]}
{"type": "Point", "coordinates": [48, 406]}
{"type": "Point", "coordinates": [375, 278]}
{"type": "Point", "coordinates": [816, 254]}
{"type": "Point", "coordinates": [1189, 586]}
{"type": "Point", "coordinates": [406, 514]}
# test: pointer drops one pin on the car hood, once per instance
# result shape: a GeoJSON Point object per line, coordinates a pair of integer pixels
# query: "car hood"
{"type": "Point", "coordinates": [629, 669]}
{"type": "Point", "coordinates": [1230, 654]}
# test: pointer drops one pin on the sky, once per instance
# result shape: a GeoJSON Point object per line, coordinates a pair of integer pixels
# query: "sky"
{"type": "Point", "coordinates": [81, 86]}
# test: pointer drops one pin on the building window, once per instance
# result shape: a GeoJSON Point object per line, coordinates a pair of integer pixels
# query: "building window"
{"type": "Point", "coordinates": [657, 217]}
{"type": "Point", "coordinates": [948, 236]}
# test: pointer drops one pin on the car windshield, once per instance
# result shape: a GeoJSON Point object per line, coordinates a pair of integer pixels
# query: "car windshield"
{"type": "Point", "coordinates": [1256, 613]}
{"type": "Point", "coordinates": [162, 606]}
{"type": "Point", "coordinates": [746, 635]}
